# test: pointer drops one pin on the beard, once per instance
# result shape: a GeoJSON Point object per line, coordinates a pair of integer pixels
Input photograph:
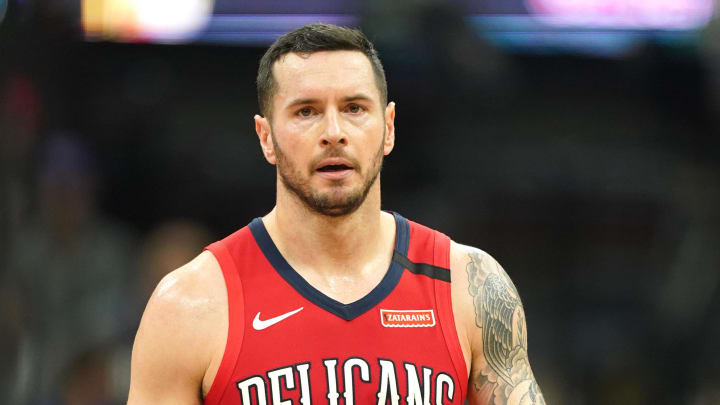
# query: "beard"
{"type": "Point", "coordinates": [336, 202]}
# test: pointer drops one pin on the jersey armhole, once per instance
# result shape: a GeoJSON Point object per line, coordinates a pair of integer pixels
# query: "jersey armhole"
{"type": "Point", "coordinates": [235, 300]}
{"type": "Point", "coordinates": [443, 296]}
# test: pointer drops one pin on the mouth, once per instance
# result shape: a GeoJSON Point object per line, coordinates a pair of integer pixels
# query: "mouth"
{"type": "Point", "coordinates": [335, 169]}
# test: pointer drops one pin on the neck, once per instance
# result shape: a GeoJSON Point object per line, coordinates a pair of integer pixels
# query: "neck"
{"type": "Point", "coordinates": [346, 245]}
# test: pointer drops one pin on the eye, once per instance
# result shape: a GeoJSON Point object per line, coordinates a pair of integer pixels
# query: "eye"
{"type": "Point", "coordinates": [355, 109]}
{"type": "Point", "coordinates": [305, 112]}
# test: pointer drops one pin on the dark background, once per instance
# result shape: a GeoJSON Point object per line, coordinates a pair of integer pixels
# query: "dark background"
{"type": "Point", "coordinates": [595, 181]}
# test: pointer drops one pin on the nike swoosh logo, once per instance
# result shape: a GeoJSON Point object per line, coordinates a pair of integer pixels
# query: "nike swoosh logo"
{"type": "Point", "coordinates": [259, 324]}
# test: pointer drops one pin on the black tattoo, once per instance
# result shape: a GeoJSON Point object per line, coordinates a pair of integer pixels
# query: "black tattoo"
{"type": "Point", "coordinates": [500, 314]}
{"type": "Point", "coordinates": [497, 322]}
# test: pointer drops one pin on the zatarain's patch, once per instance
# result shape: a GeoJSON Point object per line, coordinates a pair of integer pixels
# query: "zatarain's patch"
{"type": "Point", "coordinates": [407, 319]}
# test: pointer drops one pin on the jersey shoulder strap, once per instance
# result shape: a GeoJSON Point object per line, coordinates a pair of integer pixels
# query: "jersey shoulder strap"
{"type": "Point", "coordinates": [429, 254]}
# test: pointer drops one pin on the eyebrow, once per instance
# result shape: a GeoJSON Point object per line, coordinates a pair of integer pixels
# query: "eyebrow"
{"type": "Point", "coordinates": [301, 101]}
{"type": "Point", "coordinates": [304, 101]}
{"type": "Point", "coordinates": [356, 97]}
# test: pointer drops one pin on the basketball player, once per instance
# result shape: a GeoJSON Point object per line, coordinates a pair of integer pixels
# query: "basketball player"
{"type": "Point", "coordinates": [327, 299]}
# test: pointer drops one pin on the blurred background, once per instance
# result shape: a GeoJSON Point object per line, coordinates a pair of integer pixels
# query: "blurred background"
{"type": "Point", "coordinates": [575, 141]}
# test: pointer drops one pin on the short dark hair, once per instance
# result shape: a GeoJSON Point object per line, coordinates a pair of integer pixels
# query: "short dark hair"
{"type": "Point", "coordinates": [313, 38]}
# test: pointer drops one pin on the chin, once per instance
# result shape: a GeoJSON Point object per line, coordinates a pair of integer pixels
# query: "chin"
{"type": "Point", "coordinates": [336, 204]}
{"type": "Point", "coordinates": [338, 212]}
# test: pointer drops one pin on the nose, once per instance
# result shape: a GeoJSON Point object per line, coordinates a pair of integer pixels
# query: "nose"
{"type": "Point", "coordinates": [333, 134]}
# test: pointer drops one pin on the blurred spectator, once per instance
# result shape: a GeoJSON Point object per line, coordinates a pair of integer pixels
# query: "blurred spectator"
{"type": "Point", "coordinates": [87, 380]}
{"type": "Point", "coordinates": [167, 247]}
{"type": "Point", "coordinates": [707, 392]}
{"type": "Point", "coordinates": [69, 267]}
{"type": "Point", "coordinates": [170, 245]}
{"type": "Point", "coordinates": [20, 113]}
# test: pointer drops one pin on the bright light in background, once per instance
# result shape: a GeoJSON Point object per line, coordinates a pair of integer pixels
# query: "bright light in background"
{"type": "Point", "coordinates": [624, 14]}
{"type": "Point", "coordinates": [172, 19]}
{"type": "Point", "coordinates": [168, 21]}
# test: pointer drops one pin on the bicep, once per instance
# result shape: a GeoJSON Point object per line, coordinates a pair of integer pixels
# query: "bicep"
{"type": "Point", "coordinates": [500, 370]}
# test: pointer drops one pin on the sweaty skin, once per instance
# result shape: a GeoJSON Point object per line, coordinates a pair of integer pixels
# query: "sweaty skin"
{"type": "Point", "coordinates": [327, 106]}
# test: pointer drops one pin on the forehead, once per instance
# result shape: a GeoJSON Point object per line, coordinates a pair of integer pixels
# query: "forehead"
{"type": "Point", "coordinates": [324, 73]}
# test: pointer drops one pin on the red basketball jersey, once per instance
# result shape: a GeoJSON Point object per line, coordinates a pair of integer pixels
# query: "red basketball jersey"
{"type": "Point", "coordinates": [289, 343]}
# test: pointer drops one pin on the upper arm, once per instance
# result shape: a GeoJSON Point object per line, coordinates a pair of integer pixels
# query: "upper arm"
{"type": "Point", "coordinates": [496, 332]}
{"type": "Point", "coordinates": [175, 344]}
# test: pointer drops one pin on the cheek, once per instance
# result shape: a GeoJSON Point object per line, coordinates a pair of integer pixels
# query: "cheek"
{"type": "Point", "coordinates": [364, 132]}
{"type": "Point", "coordinates": [295, 148]}
{"type": "Point", "coordinates": [294, 123]}
{"type": "Point", "coordinates": [362, 122]}
{"type": "Point", "coordinates": [301, 134]}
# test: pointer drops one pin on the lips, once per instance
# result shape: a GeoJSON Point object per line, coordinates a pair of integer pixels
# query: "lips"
{"type": "Point", "coordinates": [334, 168]}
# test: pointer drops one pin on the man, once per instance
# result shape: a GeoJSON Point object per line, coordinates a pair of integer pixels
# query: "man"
{"type": "Point", "coordinates": [327, 296]}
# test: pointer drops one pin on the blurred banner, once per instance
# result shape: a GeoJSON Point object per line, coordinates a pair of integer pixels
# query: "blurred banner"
{"type": "Point", "coordinates": [206, 20]}
{"type": "Point", "coordinates": [622, 14]}
{"type": "Point", "coordinates": [607, 28]}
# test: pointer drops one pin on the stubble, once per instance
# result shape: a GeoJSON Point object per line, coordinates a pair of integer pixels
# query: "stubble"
{"type": "Point", "coordinates": [335, 202]}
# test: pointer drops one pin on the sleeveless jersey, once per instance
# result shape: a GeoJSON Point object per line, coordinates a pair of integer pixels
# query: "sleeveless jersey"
{"type": "Point", "coordinates": [288, 343]}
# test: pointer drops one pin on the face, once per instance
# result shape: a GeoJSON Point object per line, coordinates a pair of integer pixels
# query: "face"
{"type": "Point", "coordinates": [329, 132]}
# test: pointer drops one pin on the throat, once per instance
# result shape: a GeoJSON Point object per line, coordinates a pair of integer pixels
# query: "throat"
{"type": "Point", "coordinates": [348, 289]}
{"type": "Point", "coordinates": [343, 258]}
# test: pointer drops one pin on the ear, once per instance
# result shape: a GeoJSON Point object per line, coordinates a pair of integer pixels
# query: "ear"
{"type": "Point", "coordinates": [264, 133]}
{"type": "Point", "coordinates": [389, 142]}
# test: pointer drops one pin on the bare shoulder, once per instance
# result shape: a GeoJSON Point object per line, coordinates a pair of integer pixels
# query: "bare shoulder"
{"type": "Point", "coordinates": [474, 266]}
{"type": "Point", "coordinates": [181, 335]}
{"type": "Point", "coordinates": [193, 294]}
{"type": "Point", "coordinates": [475, 274]}
{"type": "Point", "coordinates": [463, 255]}
{"type": "Point", "coordinates": [491, 321]}
{"type": "Point", "coordinates": [193, 289]}
{"type": "Point", "coordinates": [464, 263]}
{"type": "Point", "coordinates": [462, 258]}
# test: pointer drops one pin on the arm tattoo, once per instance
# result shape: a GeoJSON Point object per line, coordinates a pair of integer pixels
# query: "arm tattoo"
{"type": "Point", "coordinates": [507, 377]}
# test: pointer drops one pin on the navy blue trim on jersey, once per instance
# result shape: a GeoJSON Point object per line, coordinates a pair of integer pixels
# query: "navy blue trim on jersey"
{"type": "Point", "coordinates": [402, 234]}
{"type": "Point", "coordinates": [345, 311]}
